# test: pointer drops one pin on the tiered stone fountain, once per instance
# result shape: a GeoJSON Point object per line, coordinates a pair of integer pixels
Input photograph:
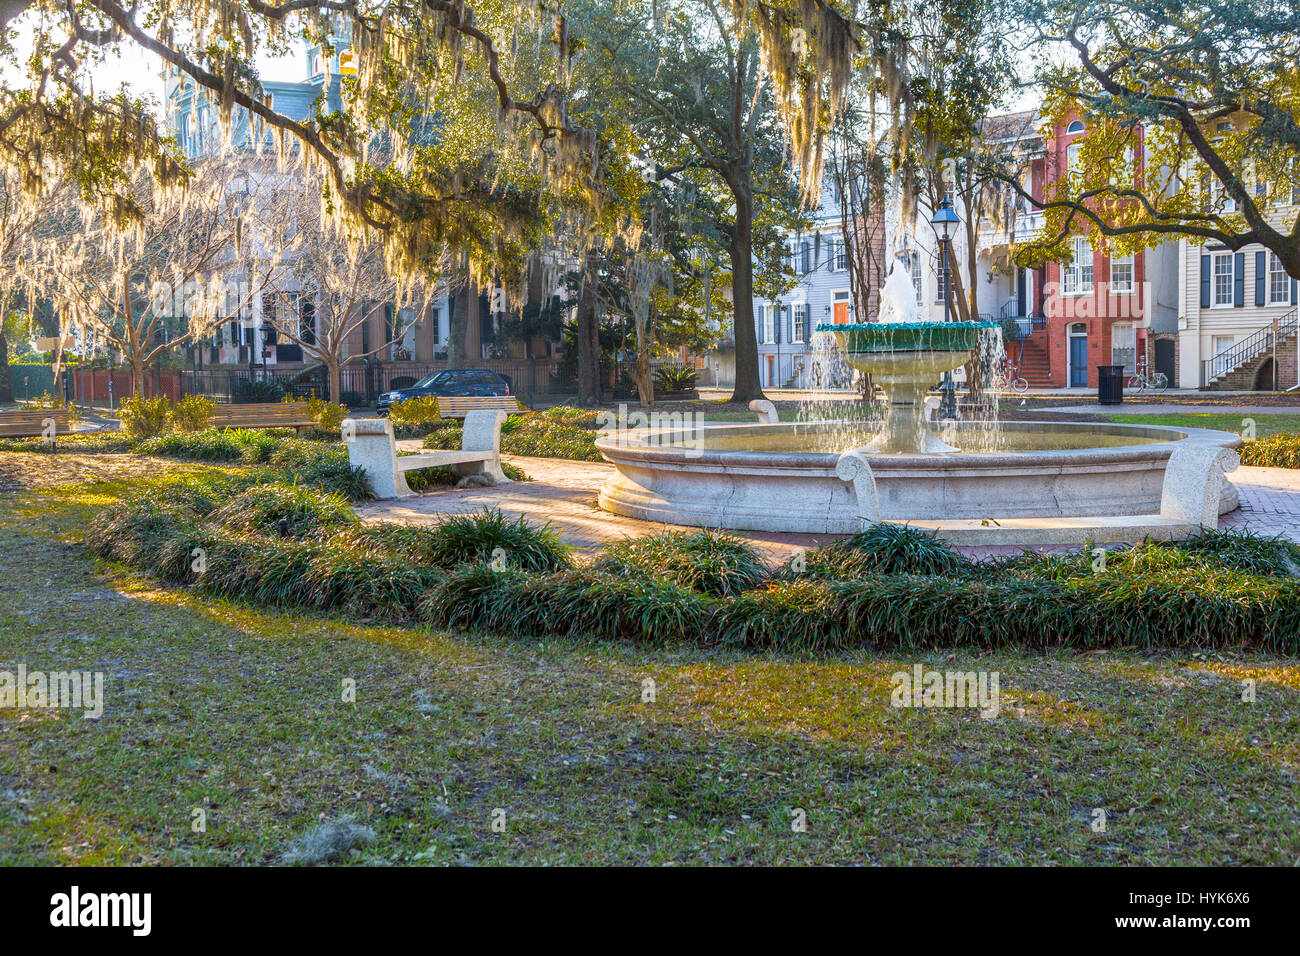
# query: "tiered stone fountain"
{"type": "Point", "coordinates": [1028, 483]}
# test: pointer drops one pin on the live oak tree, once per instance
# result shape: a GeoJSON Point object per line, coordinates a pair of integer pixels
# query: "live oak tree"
{"type": "Point", "coordinates": [172, 278]}
{"type": "Point", "coordinates": [19, 220]}
{"type": "Point", "coordinates": [421, 69]}
{"type": "Point", "coordinates": [692, 78]}
{"type": "Point", "coordinates": [1192, 110]}
{"type": "Point", "coordinates": [322, 284]}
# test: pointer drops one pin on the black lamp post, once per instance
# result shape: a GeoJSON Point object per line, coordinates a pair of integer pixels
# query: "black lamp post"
{"type": "Point", "coordinates": [944, 221]}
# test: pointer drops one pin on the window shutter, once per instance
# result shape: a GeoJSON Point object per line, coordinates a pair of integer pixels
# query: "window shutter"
{"type": "Point", "coordinates": [1239, 280]}
{"type": "Point", "coordinates": [1261, 277]}
{"type": "Point", "coordinates": [1205, 282]}
{"type": "Point", "coordinates": [1293, 291]}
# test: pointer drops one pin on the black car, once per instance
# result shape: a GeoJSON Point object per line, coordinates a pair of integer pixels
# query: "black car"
{"type": "Point", "coordinates": [453, 382]}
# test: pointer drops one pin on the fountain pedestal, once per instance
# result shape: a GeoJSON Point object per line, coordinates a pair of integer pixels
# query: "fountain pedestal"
{"type": "Point", "coordinates": [905, 378]}
{"type": "Point", "coordinates": [905, 359]}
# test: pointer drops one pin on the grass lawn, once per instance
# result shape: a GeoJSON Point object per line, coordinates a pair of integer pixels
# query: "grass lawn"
{"type": "Point", "coordinates": [237, 710]}
{"type": "Point", "coordinates": [1265, 425]}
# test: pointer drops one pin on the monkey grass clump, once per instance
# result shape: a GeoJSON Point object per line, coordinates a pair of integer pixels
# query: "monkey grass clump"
{"type": "Point", "coordinates": [883, 548]}
{"type": "Point", "coordinates": [304, 511]}
{"type": "Point", "coordinates": [889, 586]}
{"type": "Point", "coordinates": [711, 562]}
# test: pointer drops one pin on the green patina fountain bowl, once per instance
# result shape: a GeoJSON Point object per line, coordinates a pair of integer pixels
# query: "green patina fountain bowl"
{"type": "Point", "coordinates": [907, 336]}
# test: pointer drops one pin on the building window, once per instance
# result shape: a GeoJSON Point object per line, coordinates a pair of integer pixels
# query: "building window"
{"type": "Point", "coordinates": [1075, 127]}
{"type": "Point", "coordinates": [805, 257]}
{"type": "Point", "coordinates": [800, 316]}
{"type": "Point", "coordinates": [1223, 279]}
{"type": "Point", "coordinates": [1121, 275]}
{"type": "Point", "coordinates": [1072, 158]}
{"type": "Point", "coordinates": [1279, 283]}
{"type": "Point", "coordinates": [767, 323]}
{"type": "Point", "coordinates": [837, 257]}
{"type": "Point", "coordinates": [1076, 278]}
{"type": "Point", "coordinates": [918, 279]}
{"type": "Point", "coordinates": [1123, 345]}
{"type": "Point", "coordinates": [307, 322]}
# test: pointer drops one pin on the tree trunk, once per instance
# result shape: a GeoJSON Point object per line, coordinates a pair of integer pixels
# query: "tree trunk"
{"type": "Point", "coordinates": [335, 371]}
{"type": "Point", "coordinates": [747, 387]}
{"type": "Point", "coordinates": [6, 387]}
{"type": "Point", "coordinates": [458, 328]}
{"type": "Point", "coordinates": [58, 367]}
{"type": "Point", "coordinates": [972, 265]}
{"type": "Point", "coordinates": [645, 340]}
{"type": "Point", "coordinates": [589, 333]}
{"type": "Point", "coordinates": [960, 304]}
{"type": "Point", "coordinates": [137, 376]}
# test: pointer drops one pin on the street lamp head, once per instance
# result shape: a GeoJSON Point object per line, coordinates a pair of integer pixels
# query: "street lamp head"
{"type": "Point", "coordinates": [944, 218]}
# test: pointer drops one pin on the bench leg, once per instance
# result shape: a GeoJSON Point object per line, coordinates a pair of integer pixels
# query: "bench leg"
{"type": "Point", "coordinates": [376, 454]}
{"type": "Point", "coordinates": [490, 468]}
{"type": "Point", "coordinates": [482, 432]}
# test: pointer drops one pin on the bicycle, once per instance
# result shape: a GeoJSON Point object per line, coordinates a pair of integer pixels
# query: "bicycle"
{"type": "Point", "coordinates": [1010, 380]}
{"type": "Point", "coordinates": [1142, 381]}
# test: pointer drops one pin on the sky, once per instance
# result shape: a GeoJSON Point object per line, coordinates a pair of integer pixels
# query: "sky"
{"type": "Point", "coordinates": [141, 71]}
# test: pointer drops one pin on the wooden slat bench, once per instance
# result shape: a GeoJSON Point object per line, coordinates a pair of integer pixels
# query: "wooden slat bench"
{"type": "Point", "coordinates": [457, 406]}
{"type": "Point", "coordinates": [262, 415]}
{"type": "Point", "coordinates": [31, 422]}
{"type": "Point", "coordinates": [372, 448]}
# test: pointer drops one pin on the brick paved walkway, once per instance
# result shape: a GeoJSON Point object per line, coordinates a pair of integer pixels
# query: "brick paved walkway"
{"type": "Point", "coordinates": [564, 492]}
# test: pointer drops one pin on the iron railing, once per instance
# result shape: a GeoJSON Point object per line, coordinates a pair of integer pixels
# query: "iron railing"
{"type": "Point", "coordinates": [361, 383]}
{"type": "Point", "coordinates": [1251, 347]}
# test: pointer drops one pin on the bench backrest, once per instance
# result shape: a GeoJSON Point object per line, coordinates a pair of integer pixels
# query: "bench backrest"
{"type": "Point", "coordinates": [30, 422]}
{"type": "Point", "coordinates": [267, 413]}
{"type": "Point", "coordinates": [456, 406]}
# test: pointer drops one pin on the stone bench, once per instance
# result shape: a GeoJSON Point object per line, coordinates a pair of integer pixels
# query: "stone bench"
{"type": "Point", "coordinates": [371, 446]}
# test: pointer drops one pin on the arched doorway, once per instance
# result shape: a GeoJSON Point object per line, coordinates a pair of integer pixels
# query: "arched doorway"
{"type": "Point", "coordinates": [1164, 358]}
{"type": "Point", "coordinates": [1078, 353]}
{"type": "Point", "coordinates": [1264, 376]}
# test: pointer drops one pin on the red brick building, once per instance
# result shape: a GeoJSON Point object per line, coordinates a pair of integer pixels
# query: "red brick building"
{"type": "Point", "coordinates": [1095, 306]}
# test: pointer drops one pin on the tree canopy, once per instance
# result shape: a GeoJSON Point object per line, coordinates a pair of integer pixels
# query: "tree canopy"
{"type": "Point", "coordinates": [1193, 119]}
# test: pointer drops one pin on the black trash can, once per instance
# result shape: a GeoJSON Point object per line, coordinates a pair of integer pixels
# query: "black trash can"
{"type": "Point", "coordinates": [1110, 384]}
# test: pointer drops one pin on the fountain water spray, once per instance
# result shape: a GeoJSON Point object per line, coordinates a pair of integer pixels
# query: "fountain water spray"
{"type": "Point", "coordinates": [905, 358]}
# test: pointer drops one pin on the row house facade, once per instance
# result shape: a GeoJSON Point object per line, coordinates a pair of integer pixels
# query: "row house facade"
{"type": "Point", "coordinates": [1205, 317]}
{"type": "Point", "coordinates": [1237, 320]}
{"type": "Point", "coordinates": [1099, 307]}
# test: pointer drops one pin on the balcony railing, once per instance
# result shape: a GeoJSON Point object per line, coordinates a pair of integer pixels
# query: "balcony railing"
{"type": "Point", "coordinates": [1027, 223]}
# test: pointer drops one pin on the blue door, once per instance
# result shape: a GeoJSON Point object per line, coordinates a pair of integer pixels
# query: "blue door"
{"type": "Point", "coordinates": [1078, 361]}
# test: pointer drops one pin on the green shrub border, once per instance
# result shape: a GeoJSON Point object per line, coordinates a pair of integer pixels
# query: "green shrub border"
{"type": "Point", "coordinates": [1154, 595]}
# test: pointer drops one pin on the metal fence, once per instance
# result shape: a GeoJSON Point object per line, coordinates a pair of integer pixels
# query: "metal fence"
{"type": "Point", "coordinates": [361, 383]}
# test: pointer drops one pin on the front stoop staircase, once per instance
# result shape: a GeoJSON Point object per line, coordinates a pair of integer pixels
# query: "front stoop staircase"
{"type": "Point", "coordinates": [1239, 368]}
{"type": "Point", "coordinates": [1035, 366]}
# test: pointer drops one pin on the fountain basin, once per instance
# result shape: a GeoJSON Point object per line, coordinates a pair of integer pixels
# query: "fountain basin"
{"type": "Point", "coordinates": [782, 477]}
